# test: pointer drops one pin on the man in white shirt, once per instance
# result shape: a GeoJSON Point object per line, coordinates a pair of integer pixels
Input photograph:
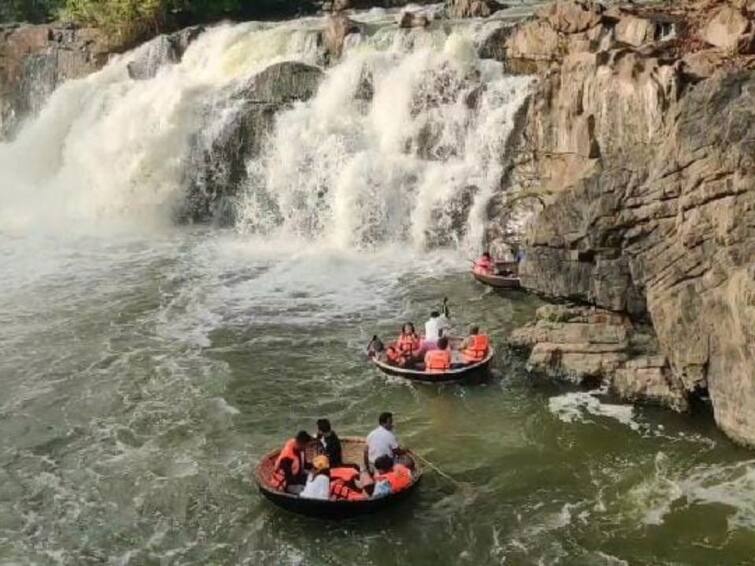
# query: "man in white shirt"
{"type": "Point", "coordinates": [381, 441]}
{"type": "Point", "coordinates": [435, 328]}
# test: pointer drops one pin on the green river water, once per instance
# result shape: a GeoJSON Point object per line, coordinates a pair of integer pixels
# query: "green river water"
{"type": "Point", "coordinates": [142, 378]}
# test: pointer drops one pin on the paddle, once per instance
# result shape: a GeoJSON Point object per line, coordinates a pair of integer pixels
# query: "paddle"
{"type": "Point", "coordinates": [440, 472]}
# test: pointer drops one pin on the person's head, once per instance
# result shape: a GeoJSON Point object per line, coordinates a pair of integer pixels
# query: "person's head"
{"type": "Point", "coordinates": [323, 426]}
{"type": "Point", "coordinates": [473, 330]}
{"type": "Point", "coordinates": [434, 314]}
{"type": "Point", "coordinates": [442, 343]}
{"type": "Point", "coordinates": [386, 420]}
{"type": "Point", "coordinates": [486, 255]}
{"type": "Point", "coordinates": [384, 464]}
{"type": "Point", "coordinates": [408, 328]}
{"type": "Point", "coordinates": [302, 439]}
{"type": "Point", "coordinates": [320, 463]}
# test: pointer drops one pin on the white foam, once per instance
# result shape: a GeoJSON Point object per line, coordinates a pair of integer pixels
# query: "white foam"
{"type": "Point", "coordinates": [576, 406]}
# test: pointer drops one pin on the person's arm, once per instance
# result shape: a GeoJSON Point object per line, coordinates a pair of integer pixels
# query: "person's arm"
{"type": "Point", "coordinates": [286, 466]}
{"type": "Point", "coordinates": [366, 457]}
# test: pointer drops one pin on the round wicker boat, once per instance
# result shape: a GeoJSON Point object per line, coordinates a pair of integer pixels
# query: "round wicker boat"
{"type": "Point", "coordinates": [509, 281]}
{"type": "Point", "coordinates": [462, 372]}
{"type": "Point", "coordinates": [353, 450]}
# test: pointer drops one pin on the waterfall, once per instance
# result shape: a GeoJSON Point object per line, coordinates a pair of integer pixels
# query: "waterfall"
{"type": "Point", "coordinates": [403, 142]}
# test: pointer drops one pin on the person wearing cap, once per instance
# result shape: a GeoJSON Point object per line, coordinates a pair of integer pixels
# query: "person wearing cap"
{"type": "Point", "coordinates": [288, 472]}
{"type": "Point", "coordinates": [318, 481]}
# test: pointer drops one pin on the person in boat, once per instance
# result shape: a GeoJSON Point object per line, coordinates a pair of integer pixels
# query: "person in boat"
{"type": "Point", "coordinates": [390, 477]}
{"type": "Point", "coordinates": [390, 355]}
{"type": "Point", "coordinates": [375, 347]}
{"type": "Point", "coordinates": [318, 480]}
{"type": "Point", "coordinates": [344, 484]}
{"type": "Point", "coordinates": [438, 359]}
{"type": "Point", "coordinates": [436, 327]}
{"type": "Point", "coordinates": [408, 342]}
{"type": "Point", "coordinates": [289, 473]}
{"type": "Point", "coordinates": [484, 265]}
{"type": "Point", "coordinates": [381, 442]}
{"type": "Point", "coordinates": [475, 347]}
{"type": "Point", "coordinates": [328, 443]}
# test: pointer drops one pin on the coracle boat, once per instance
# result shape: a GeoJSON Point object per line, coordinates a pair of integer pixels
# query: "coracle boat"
{"type": "Point", "coordinates": [509, 281]}
{"type": "Point", "coordinates": [458, 372]}
{"type": "Point", "coordinates": [353, 450]}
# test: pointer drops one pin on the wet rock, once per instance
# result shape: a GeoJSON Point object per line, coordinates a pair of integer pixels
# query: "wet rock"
{"type": "Point", "coordinates": [730, 29]}
{"type": "Point", "coordinates": [494, 45]}
{"type": "Point", "coordinates": [221, 166]}
{"type": "Point", "coordinates": [409, 19]}
{"type": "Point", "coordinates": [590, 346]}
{"type": "Point", "coordinates": [472, 8]}
{"type": "Point", "coordinates": [162, 50]}
{"type": "Point", "coordinates": [337, 29]}
{"type": "Point", "coordinates": [34, 60]}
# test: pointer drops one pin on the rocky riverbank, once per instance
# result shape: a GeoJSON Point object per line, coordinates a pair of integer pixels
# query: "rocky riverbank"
{"type": "Point", "coordinates": [640, 143]}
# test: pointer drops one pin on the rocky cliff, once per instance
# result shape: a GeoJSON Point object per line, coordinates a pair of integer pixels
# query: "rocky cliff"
{"type": "Point", "coordinates": [640, 143]}
{"type": "Point", "coordinates": [34, 60]}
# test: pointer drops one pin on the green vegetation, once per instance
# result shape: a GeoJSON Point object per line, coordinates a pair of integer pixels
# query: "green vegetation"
{"type": "Point", "coordinates": [131, 20]}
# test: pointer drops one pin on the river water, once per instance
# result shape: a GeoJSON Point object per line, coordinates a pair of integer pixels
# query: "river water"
{"type": "Point", "coordinates": [145, 368]}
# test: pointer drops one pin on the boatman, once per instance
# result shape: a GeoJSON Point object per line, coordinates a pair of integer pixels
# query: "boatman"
{"type": "Point", "coordinates": [381, 442]}
{"type": "Point", "coordinates": [436, 327]}
{"type": "Point", "coordinates": [288, 473]}
{"type": "Point", "coordinates": [475, 347]}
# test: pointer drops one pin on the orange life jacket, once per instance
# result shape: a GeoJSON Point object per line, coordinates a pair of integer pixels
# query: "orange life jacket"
{"type": "Point", "coordinates": [342, 486]}
{"type": "Point", "coordinates": [408, 344]}
{"type": "Point", "coordinates": [400, 478]}
{"type": "Point", "coordinates": [437, 361]}
{"type": "Point", "coordinates": [289, 452]}
{"type": "Point", "coordinates": [395, 356]}
{"type": "Point", "coordinates": [478, 348]}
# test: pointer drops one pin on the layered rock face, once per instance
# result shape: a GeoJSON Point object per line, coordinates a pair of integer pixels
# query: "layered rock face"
{"type": "Point", "coordinates": [641, 142]}
{"type": "Point", "coordinates": [34, 60]}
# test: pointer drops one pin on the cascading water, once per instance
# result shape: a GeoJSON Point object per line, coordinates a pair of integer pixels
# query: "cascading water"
{"type": "Point", "coordinates": [144, 371]}
{"type": "Point", "coordinates": [403, 142]}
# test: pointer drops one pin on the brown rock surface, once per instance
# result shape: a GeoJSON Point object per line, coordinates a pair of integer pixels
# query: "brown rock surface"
{"type": "Point", "coordinates": [730, 29]}
{"type": "Point", "coordinates": [643, 158]}
{"type": "Point", "coordinates": [588, 345]}
{"type": "Point", "coordinates": [471, 8]}
{"type": "Point", "coordinates": [35, 59]}
{"type": "Point", "coordinates": [337, 28]}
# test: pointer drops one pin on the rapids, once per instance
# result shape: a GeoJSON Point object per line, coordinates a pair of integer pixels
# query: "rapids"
{"type": "Point", "coordinates": [146, 367]}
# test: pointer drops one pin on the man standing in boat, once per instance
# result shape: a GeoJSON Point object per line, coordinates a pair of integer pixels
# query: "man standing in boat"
{"type": "Point", "coordinates": [437, 326]}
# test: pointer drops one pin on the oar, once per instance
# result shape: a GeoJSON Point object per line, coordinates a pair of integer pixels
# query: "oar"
{"type": "Point", "coordinates": [440, 472]}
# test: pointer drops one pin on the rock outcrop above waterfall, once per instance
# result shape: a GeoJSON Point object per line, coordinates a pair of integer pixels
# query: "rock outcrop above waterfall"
{"type": "Point", "coordinates": [640, 142]}
{"type": "Point", "coordinates": [162, 50]}
{"type": "Point", "coordinates": [35, 59]}
{"type": "Point", "coordinates": [472, 8]}
{"type": "Point", "coordinates": [220, 169]}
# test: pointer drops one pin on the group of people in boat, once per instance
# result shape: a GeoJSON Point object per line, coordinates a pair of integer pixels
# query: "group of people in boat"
{"type": "Point", "coordinates": [327, 476]}
{"type": "Point", "coordinates": [486, 265]}
{"type": "Point", "coordinates": [432, 353]}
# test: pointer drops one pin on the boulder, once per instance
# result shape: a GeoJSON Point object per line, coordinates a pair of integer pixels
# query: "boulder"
{"type": "Point", "coordinates": [409, 19]}
{"type": "Point", "coordinates": [571, 16]}
{"type": "Point", "coordinates": [163, 50]}
{"type": "Point", "coordinates": [730, 29]}
{"type": "Point", "coordinates": [472, 8]}
{"type": "Point", "coordinates": [221, 167]}
{"type": "Point", "coordinates": [337, 28]}
{"type": "Point", "coordinates": [635, 31]}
